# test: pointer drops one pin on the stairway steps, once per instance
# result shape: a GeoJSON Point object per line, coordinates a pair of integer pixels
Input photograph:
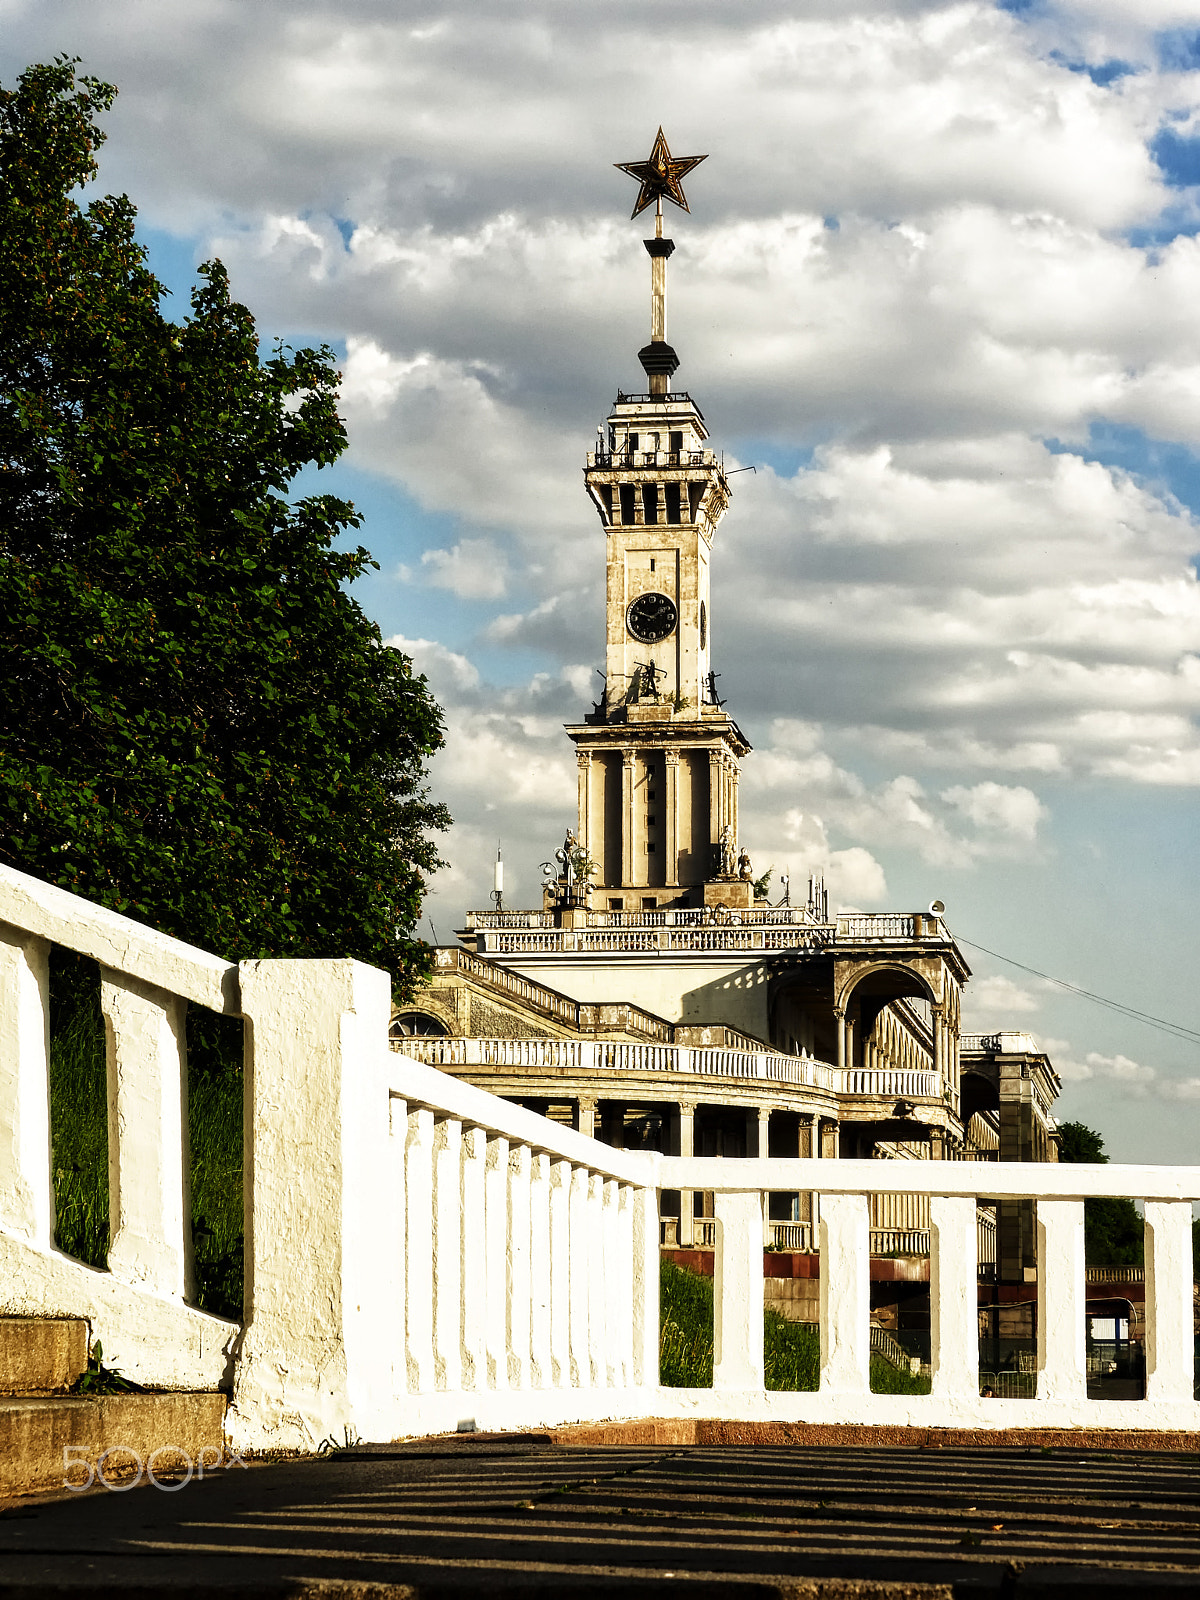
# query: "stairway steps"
{"type": "Point", "coordinates": [40, 1435]}
{"type": "Point", "coordinates": [41, 1355]}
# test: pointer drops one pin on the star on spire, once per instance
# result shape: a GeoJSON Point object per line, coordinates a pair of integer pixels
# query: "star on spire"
{"type": "Point", "coordinates": [660, 176]}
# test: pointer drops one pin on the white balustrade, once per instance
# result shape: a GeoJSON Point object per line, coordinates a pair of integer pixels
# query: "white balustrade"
{"type": "Point", "coordinates": [421, 1255]}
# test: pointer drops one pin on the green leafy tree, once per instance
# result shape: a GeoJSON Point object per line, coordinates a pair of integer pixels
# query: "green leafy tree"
{"type": "Point", "coordinates": [1113, 1229]}
{"type": "Point", "coordinates": [199, 727]}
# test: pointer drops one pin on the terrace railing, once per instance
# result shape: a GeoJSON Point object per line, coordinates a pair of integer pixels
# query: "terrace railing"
{"type": "Point", "coordinates": [423, 1256]}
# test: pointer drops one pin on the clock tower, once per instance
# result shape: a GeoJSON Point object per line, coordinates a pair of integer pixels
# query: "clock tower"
{"type": "Point", "coordinates": [659, 757]}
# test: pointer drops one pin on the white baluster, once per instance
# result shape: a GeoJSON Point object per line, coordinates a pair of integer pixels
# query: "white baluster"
{"type": "Point", "coordinates": [396, 1201]}
{"type": "Point", "coordinates": [738, 1292]}
{"type": "Point", "coordinates": [518, 1267]}
{"type": "Point", "coordinates": [953, 1297]}
{"type": "Point", "coordinates": [473, 1260]}
{"type": "Point", "coordinates": [622, 1302]}
{"type": "Point", "coordinates": [539, 1271]}
{"type": "Point", "coordinates": [644, 1278]}
{"type": "Point", "coordinates": [845, 1294]}
{"type": "Point", "coordinates": [560, 1274]}
{"type": "Point", "coordinates": [26, 1189]}
{"type": "Point", "coordinates": [615, 1285]}
{"type": "Point", "coordinates": [149, 1172]}
{"type": "Point", "coordinates": [495, 1184]}
{"type": "Point", "coordinates": [1061, 1339]}
{"type": "Point", "coordinates": [579, 1223]}
{"type": "Point", "coordinates": [418, 1251]}
{"type": "Point", "coordinates": [1169, 1313]}
{"type": "Point", "coordinates": [447, 1253]}
{"type": "Point", "coordinates": [597, 1288]}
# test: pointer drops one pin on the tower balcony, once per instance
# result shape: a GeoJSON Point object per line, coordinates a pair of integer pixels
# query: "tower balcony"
{"type": "Point", "coordinates": [609, 460]}
{"type": "Point", "coordinates": [506, 933]}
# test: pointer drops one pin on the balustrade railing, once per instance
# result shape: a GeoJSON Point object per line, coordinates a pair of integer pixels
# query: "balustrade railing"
{"type": "Point", "coordinates": [423, 1256]}
{"type": "Point", "coordinates": [601, 1055]}
{"type": "Point", "coordinates": [899, 1241]}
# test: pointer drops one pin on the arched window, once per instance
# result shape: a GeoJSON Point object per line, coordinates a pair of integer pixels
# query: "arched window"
{"type": "Point", "coordinates": [417, 1024]}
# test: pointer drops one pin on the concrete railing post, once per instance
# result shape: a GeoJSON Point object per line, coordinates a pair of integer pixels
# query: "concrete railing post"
{"type": "Point", "coordinates": [473, 1259]}
{"type": "Point", "coordinates": [26, 1190]}
{"type": "Point", "coordinates": [1061, 1270]}
{"type": "Point", "coordinates": [644, 1309]}
{"type": "Point", "coordinates": [596, 1286]}
{"type": "Point", "coordinates": [418, 1251]}
{"type": "Point", "coordinates": [495, 1183]}
{"type": "Point", "coordinates": [614, 1283]}
{"type": "Point", "coordinates": [519, 1323]}
{"type": "Point", "coordinates": [623, 1308]}
{"type": "Point", "coordinates": [560, 1274]}
{"type": "Point", "coordinates": [845, 1294]}
{"type": "Point", "coordinates": [540, 1268]}
{"type": "Point", "coordinates": [953, 1298]}
{"type": "Point", "coordinates": [149, 1172]}
{"type": "Point", "coordinates": [579, 1225]}
{"type": "Point", "coordinates": [323, 1246]}
{"type": "Point", "coordinates": [738, 1291]}
{"type": "Point", "coordinates": [1169, 1307]}
{"type": "Point", "coordinates": [447, 1253]}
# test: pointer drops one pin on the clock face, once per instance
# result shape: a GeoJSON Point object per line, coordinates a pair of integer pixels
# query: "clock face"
{"type": "Point", "coordinates": [651, 617]}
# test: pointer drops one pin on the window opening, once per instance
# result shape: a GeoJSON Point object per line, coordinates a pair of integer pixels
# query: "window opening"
{"type": "Point", "coordinates": [650, 501]}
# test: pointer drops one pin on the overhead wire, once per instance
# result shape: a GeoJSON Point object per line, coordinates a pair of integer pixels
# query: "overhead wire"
{"type": "Point", "coordinates": [1177, 1029]}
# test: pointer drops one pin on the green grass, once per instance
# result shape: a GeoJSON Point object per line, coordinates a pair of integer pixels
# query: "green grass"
{"type": "Point", "coordinates": [79, 1135]}
{"type": "Point", "coordinates": [791, 1350]}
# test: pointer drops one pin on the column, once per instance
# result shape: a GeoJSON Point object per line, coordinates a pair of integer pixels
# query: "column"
{"type": "Point", "coordinates": [578, 1222]}
{"type": "Point", "coordinates": [418, 1251]}
{"type": "Point", "coordinates": [630, 831]}
{"type": "Point", "coordinates": [495, 1186]}
{"type": "Point", "coordinates": [583, 761]}
{"type": "Point", "coordinates": [733, 793]}
{"type": "Point", "coordinates": [687, 1126]}
{"type": "Point", "coordinates": [764, 1149]}
{"type": "Point", "coordinates": [939, 1048]}
{"type": "Point", "coordinates": [1169, 1339]}
{"type": "Point", "coordinates": [447, 1253]}
{"type": "Point", "coordinates": [814, 1199]}
{"type": "Point", "coordinates": [519, 1286]}
{"type": "Point", "coordinates": [540, 1370]}
{"type": "Point", "coordinates": [560, 1274]}
{"type": "Point", "coordinates": [839, 1014]}
{"type": "Point", "coordinates": [845, 1294]}
{"type": "Point", "coordinates": [670, 816]}
{"type": "Point", "coordinates": [1061, 1346]}
{"type": "Point", "coordinates": [585, 1116]}
{"type": "Point", "coordinates": [953, 1297]}
{"type": "Point", "coordinates": [149, 1174]}
{"type": "Point", "coordinates": [738, 1292]}
{"type": "Point", "coordinates": [473, 1259]}
{"type": "Point", "coordinates": [26, 1190]}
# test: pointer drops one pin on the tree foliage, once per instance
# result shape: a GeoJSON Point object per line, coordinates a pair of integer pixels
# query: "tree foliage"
{"type": "Point", "coordinates": [199, 727]}
{"type": "Point", "coordinates": [1113, 1230]}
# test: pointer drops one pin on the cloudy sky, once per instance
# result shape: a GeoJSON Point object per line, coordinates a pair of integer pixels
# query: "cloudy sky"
{"type": "Point", "coordinates": [940, 286]}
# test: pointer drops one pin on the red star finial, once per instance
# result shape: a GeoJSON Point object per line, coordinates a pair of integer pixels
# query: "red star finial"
{"type": "Point", "coordinates": [660, 175]}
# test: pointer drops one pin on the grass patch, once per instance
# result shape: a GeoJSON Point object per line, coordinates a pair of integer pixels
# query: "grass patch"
{"type": "Point", "coordinates": [79, 1134]}
{"type": "Point", "coordinates": [791, 1350]}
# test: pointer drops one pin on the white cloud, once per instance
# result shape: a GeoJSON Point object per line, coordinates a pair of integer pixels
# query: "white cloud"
{"type": "Point", "coordinates": [993, 1002]}
{"type": "Point", "coordinates": [473, 569]}
{"type": "Point", "coordinates": [1014, 811]}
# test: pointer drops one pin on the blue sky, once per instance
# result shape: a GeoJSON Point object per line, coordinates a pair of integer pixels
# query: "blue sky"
{"type": "Point", "coordinates": [940, 285]}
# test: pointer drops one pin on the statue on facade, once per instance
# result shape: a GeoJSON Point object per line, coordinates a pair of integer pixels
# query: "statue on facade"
{"type": "Point", "coordinates": [725, 853]}
{"type": "Point", "coordinates": [745, 870]}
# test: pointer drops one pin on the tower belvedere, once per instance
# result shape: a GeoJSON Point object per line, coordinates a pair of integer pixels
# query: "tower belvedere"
{"type": "Point", "coordinates": [659, 757]}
